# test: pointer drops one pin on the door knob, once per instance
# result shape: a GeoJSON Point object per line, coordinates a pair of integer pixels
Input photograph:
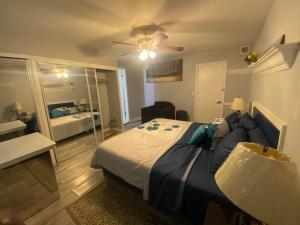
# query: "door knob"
{"type": "Point", "coordinates": [218, 102]}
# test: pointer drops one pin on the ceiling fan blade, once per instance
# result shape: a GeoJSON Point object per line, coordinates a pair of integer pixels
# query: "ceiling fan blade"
{"type": "Point", "coordinates": [123, 43]}
{"type": "Point", "coordinates": [124, 54]}
{"type": "Point", "coordinates": [170, 48]}
{"type": "Point", "coordinates": [158, 38]}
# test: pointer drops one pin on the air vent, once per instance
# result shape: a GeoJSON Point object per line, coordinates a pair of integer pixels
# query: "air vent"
{"type": "Point", "coordinates": [244, 50]}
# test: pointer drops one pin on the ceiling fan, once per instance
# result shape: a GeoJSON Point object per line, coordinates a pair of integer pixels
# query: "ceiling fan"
{"type": "Point", "coordinates": [152, 38]}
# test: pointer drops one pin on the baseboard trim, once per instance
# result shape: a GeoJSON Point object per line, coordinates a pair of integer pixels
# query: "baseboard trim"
{"type": "Point", "coordinates": [136, 119]}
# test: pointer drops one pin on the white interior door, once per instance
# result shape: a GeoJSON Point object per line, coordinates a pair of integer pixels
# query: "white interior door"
{"type": "Point", "coordinates": [209, 91]}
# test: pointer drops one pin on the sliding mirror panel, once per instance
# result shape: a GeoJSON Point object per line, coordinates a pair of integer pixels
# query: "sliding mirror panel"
{"type": "Point", "coordinates": [27, 183]}
{"type": "Point", "coordinates": [67, 100]}
{"type": "Point", "coordinates": [17, 109]}
{"type": "Point", "coordinates": [95, 102]}
{"type": "Point", "coordinates": [108, 86]}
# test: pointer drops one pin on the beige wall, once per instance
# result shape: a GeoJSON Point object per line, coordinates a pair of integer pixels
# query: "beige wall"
{"type": "Point", "coordinates": [181, 93]}
{"type": "Point", "coordinates": [280, 92]}
{"type": "Point", "coordinates": [135, 86]}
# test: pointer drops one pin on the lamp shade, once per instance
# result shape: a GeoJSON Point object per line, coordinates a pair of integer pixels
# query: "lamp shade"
{"type": "Point", "coordinates": [17, 106]}
{"type": "Point", "coordinates": [265, 185]}
{"type": "Point", "coordinates": [238, 104]}
{"type": "Point", "coordinates": [82, 101]}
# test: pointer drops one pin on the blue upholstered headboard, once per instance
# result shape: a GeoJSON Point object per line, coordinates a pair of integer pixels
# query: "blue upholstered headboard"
{"type": "Point", "coordinates": [52, 106]}
{"type": "Point", "coordinates": [273, 128]}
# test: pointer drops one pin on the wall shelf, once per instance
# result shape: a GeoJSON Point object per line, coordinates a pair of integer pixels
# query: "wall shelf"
{"type": "Point", "coordinates": [277, 58]}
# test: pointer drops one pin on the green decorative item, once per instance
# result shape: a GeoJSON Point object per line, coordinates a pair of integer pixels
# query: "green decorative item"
{"type": "Point", "coordinates": [140, 127]}
{"type": "Point", "coordinates": [152, 128]}
{"type": "Point", "coordinates": [203, 135]}
{"type": "Point", "coordinates": [252, 58]}
{"type": "Point", "coordinates": [199, 135]}
{"type": "Point", "coordinates": [168, 129]}
{"type": "Point", "coordinates": [175, 126]}
{"type": "Point", "coordinates": [156, 125]}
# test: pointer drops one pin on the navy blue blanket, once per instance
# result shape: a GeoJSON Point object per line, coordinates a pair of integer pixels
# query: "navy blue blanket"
{"type": "Point", "coordinates": [165, 183]}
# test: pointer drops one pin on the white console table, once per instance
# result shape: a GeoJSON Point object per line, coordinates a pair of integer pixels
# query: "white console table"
{"type": "Point", "coordinates": [22, 148]}
{"type": "Point", "coordinates": [28, 181]}
{"type": "Point", "coordinates": [9, 127]}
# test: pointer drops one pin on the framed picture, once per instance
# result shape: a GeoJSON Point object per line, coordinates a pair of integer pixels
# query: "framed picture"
{"type": "Point", "coordinates": [168, 71]}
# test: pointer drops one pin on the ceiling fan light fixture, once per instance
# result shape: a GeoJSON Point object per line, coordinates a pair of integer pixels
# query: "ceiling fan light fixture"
{"type": "Point", "coordinates": [65, 75]}
{"type": "Point", "coordinates": [143, 55]}
{"type": "Point", "coordinates": [152, 54]}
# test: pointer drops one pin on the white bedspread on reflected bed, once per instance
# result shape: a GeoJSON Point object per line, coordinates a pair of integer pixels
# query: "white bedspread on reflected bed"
{"type": "Point", "coordinates": [132, 154]}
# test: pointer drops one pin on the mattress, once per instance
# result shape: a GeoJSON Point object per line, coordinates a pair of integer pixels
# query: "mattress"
{"type": "Point", "coordinates": [132, 154]}
{"type": "Point", "coordinates": [67, 126]}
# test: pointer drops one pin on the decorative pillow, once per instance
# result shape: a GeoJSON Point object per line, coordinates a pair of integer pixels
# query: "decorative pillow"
{"type": "Point", "coordinates": [233, 120]}
{"type": "Point", "coordinates": [56, 113]}
{"type": "Point", "coordinates": [73, 110]}
{"type": "Point", "coordinates": [199, 135]}
{"type": "Point", "coordinates": [208, 139]}
{"type": "Point", "coordinates": [221, 132]}
{"type": "Point", "coordinates": [247, 122]}
{"type": "Point", "coordinates": [224, 148]}
{"type": "Point", "coordinates": [257, 136]}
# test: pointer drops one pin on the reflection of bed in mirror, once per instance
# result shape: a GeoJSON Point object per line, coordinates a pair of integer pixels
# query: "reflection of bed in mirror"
{"type": "Point", "coordinates": [66, 120]}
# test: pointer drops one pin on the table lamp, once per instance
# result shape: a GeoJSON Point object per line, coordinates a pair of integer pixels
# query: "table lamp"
{"type": "Point", "coordinates": [18, 108]}
{"type": "Point", "coordinates": [83, 102]}
{"type": "Point", "coordinates": [263, 182]}
{"type": "Point", "coordinates": [238, 104]}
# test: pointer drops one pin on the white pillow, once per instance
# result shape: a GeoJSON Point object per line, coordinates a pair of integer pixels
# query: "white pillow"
{"type": "Point", "coordinates": [73, 110]}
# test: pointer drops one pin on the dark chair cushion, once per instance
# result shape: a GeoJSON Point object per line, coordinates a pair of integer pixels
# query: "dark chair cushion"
{"type": "Point", "coordinates": [224, 148]}
{"type": "Point", "coordinates": [247, 122]}
{"type": "Point", "coordinates": [233, 120]}
{"type": "Point", "coordinates": [257, 136]}
{"type": "Point", "coordinates": [159, 109]}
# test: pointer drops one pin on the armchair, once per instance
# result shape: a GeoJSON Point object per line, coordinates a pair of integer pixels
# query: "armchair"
{"type": "Point", "coordinates": [159, 109]}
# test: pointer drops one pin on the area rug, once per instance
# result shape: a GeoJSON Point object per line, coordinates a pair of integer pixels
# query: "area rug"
{"type": "Point", "coordinates": [108, 205]}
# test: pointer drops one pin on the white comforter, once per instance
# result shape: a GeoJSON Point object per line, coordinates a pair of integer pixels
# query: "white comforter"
{"type": "Point", "coordinates": [132, 154]}
{"type": "Point", "coordinates": [67, 126]}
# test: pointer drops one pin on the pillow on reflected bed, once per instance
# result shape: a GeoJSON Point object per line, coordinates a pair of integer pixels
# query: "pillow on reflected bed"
{"type": "Point", "coordinates": [257, 136]}
{"type": "Point", "coordinates": [224, 148]}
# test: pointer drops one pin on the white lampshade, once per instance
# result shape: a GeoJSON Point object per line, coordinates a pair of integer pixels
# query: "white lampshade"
{"type": "Point", "coordinates": [266, 185]}
{"type": "Point", "coordinates": [238, 104]}
{"type": "Point", "coordinates": [82, 101]}
{"type": "Point", "coordinates": [17, 106]}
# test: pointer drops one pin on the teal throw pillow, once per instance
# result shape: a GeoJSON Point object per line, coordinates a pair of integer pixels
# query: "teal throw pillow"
{"type": "Point", "coordinates": [199, 135]}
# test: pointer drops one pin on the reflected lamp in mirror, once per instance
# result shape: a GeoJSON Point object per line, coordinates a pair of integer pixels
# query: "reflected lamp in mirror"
{"type": "Point", "coordinates": [17, 108]}
{"type": "Point", "coordinates": [238, 104]}
{"type": "Point", "coordinates": [82, 103]}
{"type": "Point", "coordinates": [262, 182]}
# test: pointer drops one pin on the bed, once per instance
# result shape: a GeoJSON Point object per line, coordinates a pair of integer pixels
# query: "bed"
{"type": "Point", "coordinates": [174, 175]}
{"type": "Point", "coordinates": [70, 123]}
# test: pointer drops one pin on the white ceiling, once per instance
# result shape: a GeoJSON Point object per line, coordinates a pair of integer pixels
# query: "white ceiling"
{"type": "Point", "coordinates": [91, 25]}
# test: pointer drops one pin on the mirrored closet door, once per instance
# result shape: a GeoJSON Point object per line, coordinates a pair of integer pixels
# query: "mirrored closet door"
{"type": "Point", "coordinates": [17, 109]}
{"type": "Point", "coordinates": [72, 115]}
